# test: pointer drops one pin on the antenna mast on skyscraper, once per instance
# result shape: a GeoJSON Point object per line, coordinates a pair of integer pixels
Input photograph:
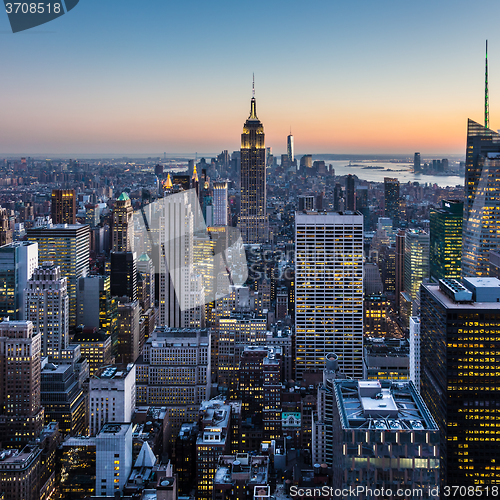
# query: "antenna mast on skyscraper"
{"type": "Point", "coordinates": [253, 83]}
{"type": "Point", "coordinates": [486, 99]}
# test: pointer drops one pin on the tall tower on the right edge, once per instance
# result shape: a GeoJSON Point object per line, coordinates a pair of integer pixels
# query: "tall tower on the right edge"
{"type": "Point", "coordinates": [253, 218]}
{"type": "Point", "coordinates": [481, 227]}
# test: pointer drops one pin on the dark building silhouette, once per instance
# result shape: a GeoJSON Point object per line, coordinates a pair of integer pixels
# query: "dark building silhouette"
{"type": "Point", "coordinates": [391, 196]}
{"type": "Point", "coordinates": [124, 275]}
{"type": "Point", "coordinates": [350, 193]}
{"type": "Point", "coordinates": [63, 207]}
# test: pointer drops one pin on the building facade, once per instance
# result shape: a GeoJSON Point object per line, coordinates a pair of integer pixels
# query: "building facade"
{"type": "Point", "coordinates": [481, 225]}
{"type": "Point", "coordinates": [253, 220]}
{"type": "Point", "coordinates": [446, 240]}
{"type": "Point", "coordinates": [18, 260]}
{"type": "Point", "coordinates": [67, 246]}
{"type": "Point", "coordinates": [329, 291]}
{"type": "Point", "coordinates": [47, 307]}
{"type": "Point", "coordinates": [460, 377]}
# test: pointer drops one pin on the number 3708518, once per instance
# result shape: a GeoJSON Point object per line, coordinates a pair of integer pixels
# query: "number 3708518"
{"type": "Point", "coordinates": [33, 8]}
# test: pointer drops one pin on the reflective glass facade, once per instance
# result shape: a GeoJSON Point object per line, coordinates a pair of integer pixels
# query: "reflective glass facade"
{"type": "Point", "coordinates": [481, 229]}
{"type": "Point", "coordinates": [446, 240]}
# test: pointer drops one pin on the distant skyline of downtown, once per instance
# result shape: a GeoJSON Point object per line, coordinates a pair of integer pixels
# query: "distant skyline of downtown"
{"type": "Point", "coordinates": [119, 78]}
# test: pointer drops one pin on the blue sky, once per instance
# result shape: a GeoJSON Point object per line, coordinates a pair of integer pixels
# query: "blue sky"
{"type": "Point", "coordinates": [130, 76]}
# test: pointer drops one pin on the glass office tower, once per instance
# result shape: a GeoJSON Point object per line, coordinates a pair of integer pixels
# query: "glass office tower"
{"type": "Point", "coordinates": [446, 240]}
{"type": "Point", "coordinates": [481, 226]}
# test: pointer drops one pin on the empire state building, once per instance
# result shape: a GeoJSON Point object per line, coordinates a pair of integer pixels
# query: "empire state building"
{"type": "Point", "coordinates": [253, 219]}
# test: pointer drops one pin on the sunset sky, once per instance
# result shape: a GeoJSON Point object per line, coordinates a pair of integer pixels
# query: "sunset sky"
{"type": "Point", "coordinates": [135, 76]}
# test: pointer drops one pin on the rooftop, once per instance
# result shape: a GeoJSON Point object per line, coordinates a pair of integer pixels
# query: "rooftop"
{"type": "Point", "coordinates": [383, 405]}
{"type": "Point", "coordinates": [449, 303]}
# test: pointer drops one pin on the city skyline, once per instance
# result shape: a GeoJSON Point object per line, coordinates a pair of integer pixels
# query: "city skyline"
{"type": "Point", "coordinates": [367, 80]}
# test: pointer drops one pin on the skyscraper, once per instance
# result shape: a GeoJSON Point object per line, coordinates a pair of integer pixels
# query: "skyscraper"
{"type": "Point", "coordinates": [67, 246]}
{"type": "Point", "coordinates": [416, 264]}
{"type": "Point", "coordinates": [391, 196]}
{"type": "Point", "coordinates": [253, 218]}
{"type": "Point", "coordinates": [124, 274]}
{"type": "Point", "coordinates": [350, 193]}
{"type": "Point", "coordinates": [21, 416]}
{"type": "Point", "coordinates": [123, 225]}
{"type": "Point", "coordinates": [481, 226]}
{"type": "Point", "coordinates": [460, 376]}
{"type": "Point", "coordinates": [290, 149]}
{"type": "Point", "coordinates": [5, 231]}
{"type": "Point", "coordinates": [47, 307]}
{"type": "Point", "coordinates": [329, 291]}
{"type": "Point", "coordinates": [400, 267]}
{"type": "Point", "coordinates": [63, 207]}
{"type": "Point", "coordinates": [416, 163]}
{"type": "Point", "coordinates": [18, 260]}
{"type": "Point", "coordinates": [220, 203]}
{"type": "Point", "coordinates": [446, 240]}
{"type": "Point", "coordinates": [181, 289]}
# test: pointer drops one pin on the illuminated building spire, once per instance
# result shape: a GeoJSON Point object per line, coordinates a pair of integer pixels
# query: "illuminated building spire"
{"type": "Point", "coordinates": [486, 97]}
{"type": "Point", "coordinates": [195, 174]}
{"type": "Point", "coordinates": [168, 185]}
{"type": "Point", "coordinates": [253, 104]}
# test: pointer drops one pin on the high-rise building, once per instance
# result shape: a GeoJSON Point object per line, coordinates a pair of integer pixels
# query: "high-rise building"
{"type": "Point", "coordinates": [95, 347]}
{"type": "Point", "coordinates": [124, 274]}
{"type": "Point", "coordinates": [89, 293]}
{"type": "Point", "coordinates": [260, 387]}
{"type": "Point", "coordinates": [350, 193]}
{"type": "Point", "coordinates": [415, 351]}
{"type": "Point", "coordinates": [47, 307]}
{"type": "Point", "coordinates": [63, 207]}
{"type": "Point", "coordinates": [253, 218]}
{"type": "Point", "coordinates": [123, 224]}
{"type": "Point", "coordinates": [181, 289]}
{"type": "Point", "coordinates": [129, 314]}
{"type": "Point", "coordinates": [220, 203]}
{"type": "Point", "coordinates": [111, 396]}
{"type": "Point", "coordinates": [290, 149]}
{"type": "Point", "coordinates": [445, 252]}
{"type": "Point", "coordinates": [391, 197]}
{"type": "Point", "coordinates": [5, 230]}
{"type": "Point", "coordinates": [146, 270]}
{"type": "Point", "coordinates": [92, 214]}
{"type": "Point", "coordinates": [234, 333]}
{"type": "Point", "coordinates": [329, 291]}
{"type": "Point", "coordinates": [481, 226]}
{"type": "Point", "coordinates": [400, 267]}
{"type": "Point", "coordinates": [214, 440]}
{"type": "Point", "coordinates": [113, 458]}
{"type": "Point", "coordinates": [67, 246]}
{"type": "Point", "coordinates": [18, 260]}
{"type": "Point", "coordinates": [20, 473]}
{"type": "Point", "coordinates": [460, 377]}
{"type": "Point", "coordinates": [62, 398]}
{"type": "Point", "coordinates": [383, 438]}
{"type": "Point", "coordinates": [416, 264]}
{"type": "Point", "coordinates": [174, 370]}
{"type": "Point", "coordinates": [21, 415]}
{"type": "Point", "coordinates": [306, 163]}
{"type": "Point", "coordinates": [416, 163]}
